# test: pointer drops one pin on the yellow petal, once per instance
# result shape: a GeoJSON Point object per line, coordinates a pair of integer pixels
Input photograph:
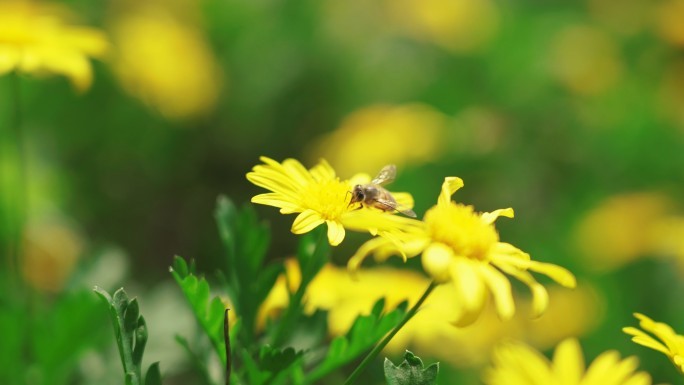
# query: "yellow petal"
{"type": "Point", "coordinates": [277, 200]}
{"type": "Point", "coordinates": [641, 338]}
{"type": "Point", "coordinates": [306, 221]}
{"type": "Point", "coordinates": [437, 260]}
{"type": "Point", "coordinates": [503, 248]}
{"type": "Point", "coordinates": [274, 179]}
{"type": "Point", "coordinates": [365, 249]}
{"type": "Point", "coordinates": [9, 59]}
{"type": "Point", "coordinates": [467, 317]}
{"type": "Point", "coordinates": [501, 290]}
{"type": "Point", "coordinates": [540, 297]}
{"type": "Point", "coordinates": [297, 171]}
{"type": "Point", "coordinates": [404, 200]}
{"type": "Point", "coordinates": [639, 378]}
{"type": "Point", "coordinates": [621, 371]}
{"type": "Point", "coordinates": [322, 171]}
{"type": "Point", "coordinates": [559, 274]}
{"type": "Point", "coordinates": [489, 218]}
{"type": "Point", "coordinates": [449, 187]}
{"type": "Point", "coordinates": [468, 283]}
{"type": "Point", "coordinates": [519, 364]}
{"type": "Point", "coordinates": [335, 232]}
{"type": "Point", "coordinates": [360, 178]}
{"type": "Point", "coordinates": [601, 368]}
{"type": "Point", "coordinates": [568, 362]}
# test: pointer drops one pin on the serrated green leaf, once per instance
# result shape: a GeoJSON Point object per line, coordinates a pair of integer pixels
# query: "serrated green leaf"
{"type": "Point", "coordinates": [130, 331]}
{"type": "Point", "coordinates": [272, 366]}
{"type": "Point", "coordinates": [410, 371]}
{"type": "Point", "coordinates": [209, 314]}
{"type": "Point", "coordinates": [199, 362]}
{"type": "Point", "coordinates": [153, 376]}
{"type": "Point", "coordinates": [180, 266]}
{"type": "Point", "coordinates": [364, 333]}
{"type": "Point", "coordinates": [245, 242]}
{"type": "Point", "coordinates": [378, 307]}
{"type": "Point", "coordinates": [276, 360]}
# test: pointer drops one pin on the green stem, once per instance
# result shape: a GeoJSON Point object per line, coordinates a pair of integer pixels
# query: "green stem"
{"type": "Point", "coordinates": [308, 271]}
{"type": "Point", "coordinates": [17, 195]}
{"type": "Point", "coordinates": [376, 350]}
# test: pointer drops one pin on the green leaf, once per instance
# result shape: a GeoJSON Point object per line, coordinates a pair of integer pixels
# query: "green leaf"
{"type": "Point", "coordinates": [199, 362]}
{"type": "Point", "coordinates": [410, 371]}
{"type": "Point", "coordinates": [273, 366]}
{"type": "Point", "coordinates": [312, 252]}
{"type": "Point", "coordinates": [276, 360]}
{"type": "Point", "coordinates": [208, 311]}
{"type": "Point", "coordinates": [153, 376]}
{"type": "Point", "coordinates": [130, 330]}
{"type": "Point", "coordinates": [247, 279]}
{"type": "Point", "coordinates": [366, 331]}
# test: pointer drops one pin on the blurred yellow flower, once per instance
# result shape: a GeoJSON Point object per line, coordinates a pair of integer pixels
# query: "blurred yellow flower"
{"type": "Point", "coordinates": [669, 343]}
{"type": "Point", "coordinates": [671, 92]}
{"type": "Point", "coordinates": [52, 247]}
{"type": "Point", "coordinates": [456, 25]}
{"type": "Point", "coordinates": [377, 135]}
{"type": "Point", "coordinates": [36, 38]}
{"type": "Point", "coordinates": [668, 239]}
{"type": "Point", "coordinates": [343, 296]}
{"type": "Point", "coordinates": [627, 17]}
{"type": "Point", "coordinates": [319, 196]}
{"type": "Point", "coordinates": [668, 19]}
{"type": "Point", "coordinates": [166, 62]}
{"type": "Point", "coordinates": [515, 363]}
{"type": "Point", "coordinates": [585, 60]}
{"type": "Point", "coordinates": [570, 313]}
{"type": "Point", "coordinates": [461, 246]}
{"type": "Point", "coordinates": [621, 229]}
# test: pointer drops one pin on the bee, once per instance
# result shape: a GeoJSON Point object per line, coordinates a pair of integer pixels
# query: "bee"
{"type": "Point", "coordinates": [374, 195]}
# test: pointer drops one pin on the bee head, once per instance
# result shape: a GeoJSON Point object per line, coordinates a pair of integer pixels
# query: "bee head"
{"type": "Point", "coordinates": [357, 194]}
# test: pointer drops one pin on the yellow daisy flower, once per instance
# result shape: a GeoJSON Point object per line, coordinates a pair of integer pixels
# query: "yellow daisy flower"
{"type": "Point", "coordinates": [461, 246]}
{"type": "Point", "coordinates": [515, 363]}
{"type": "Point", "coordinates": [319, 196]}
{"type": "Point", "coordinates": [671, 344]}
{"type": "Point", "coordinates": [344, 298]}
{"type": "Point", "coordinates": [34, 38]}
{"type": "Point", "coordinates": [147, 41]}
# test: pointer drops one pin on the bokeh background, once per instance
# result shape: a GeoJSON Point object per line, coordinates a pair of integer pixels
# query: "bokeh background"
{"type": "Point", "coordinates": [572, 113]}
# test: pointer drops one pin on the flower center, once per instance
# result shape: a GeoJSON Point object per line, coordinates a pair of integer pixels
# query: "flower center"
{"type": "Point", "coordinates": [462, 229]}
{"type": "Point", "coordinates": [329, 198]}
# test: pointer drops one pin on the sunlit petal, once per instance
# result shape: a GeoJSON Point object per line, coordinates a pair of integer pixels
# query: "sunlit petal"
{"type": "Point", "coordinates": [437, 259]}
{"type": "Point", "coordinates": [489, 218]}
{"type": "Point", "coordinates": [501, 291]}
{"type": "Point", "coordinates": [568, 362]}
{"type": "Point", "coordinates": [335, 232]}
{"type": "Point", "coordinates": [306, 221]}
{"type": "Point", "coordinates": [449, 187]}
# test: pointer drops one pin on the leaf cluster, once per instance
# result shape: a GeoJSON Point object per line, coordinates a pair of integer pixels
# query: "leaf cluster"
{"type": "Point", "coordinates": [130, 330]}
{"type": "Point", "coordinates": [290, 349]}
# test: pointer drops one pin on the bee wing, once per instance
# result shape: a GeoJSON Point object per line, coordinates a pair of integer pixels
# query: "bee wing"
{"type": "Point", "coordinates": [386, 175]}
{"type": "Point", "coordinates": [391, 205]}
